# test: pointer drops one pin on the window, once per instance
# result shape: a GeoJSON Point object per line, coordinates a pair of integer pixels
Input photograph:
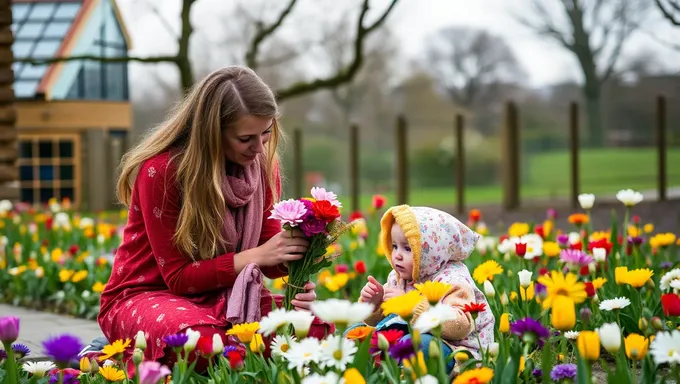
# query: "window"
{"type": "Point", "coordinates": [48, 167]}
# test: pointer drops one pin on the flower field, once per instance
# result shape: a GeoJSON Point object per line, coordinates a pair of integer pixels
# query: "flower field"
{"type": "Point", "coordinates": [576, 304]}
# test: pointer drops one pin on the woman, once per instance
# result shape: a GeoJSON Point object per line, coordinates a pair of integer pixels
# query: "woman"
{"type": "Point", "coordinates": [206, 179]}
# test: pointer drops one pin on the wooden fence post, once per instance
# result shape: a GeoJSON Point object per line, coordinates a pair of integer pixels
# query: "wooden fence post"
{"type": "Point", "coordinates": [402, 161]}
{"type": "Point", "coordinates": [661, 147]}
{"type": "Point", "coordinates": [460, 163]}
{"type": "Point", "coordinates": [511, 149]}
{"type": "Point", "coordinates": [354, 166]}
{"type": "Point", "coordinates": [297, 163]}
{"type": "Point", "coordinates": [574, 146]}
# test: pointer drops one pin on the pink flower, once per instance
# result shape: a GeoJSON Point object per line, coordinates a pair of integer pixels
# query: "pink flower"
{"type": "Point", "coordinates": [9, 329]}
{"type": "Point", "coordinates": [288, 212]}
{"type": "Point", "coordinates": [322, 194]}
{"type": "Point", "coordinates": [150, 372]}
{"type": "Point", "coordinates": [312, 226]}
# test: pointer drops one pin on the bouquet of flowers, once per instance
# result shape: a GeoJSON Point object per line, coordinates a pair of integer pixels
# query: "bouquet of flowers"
{"type": "Point", "coordinates": [318, 217]}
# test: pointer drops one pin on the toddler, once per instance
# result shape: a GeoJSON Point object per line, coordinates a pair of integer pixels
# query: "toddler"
{"type": "Point", "coordinates": [426, 244]}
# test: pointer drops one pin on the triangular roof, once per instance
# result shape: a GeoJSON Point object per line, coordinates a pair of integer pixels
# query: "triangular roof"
{"type": "Point", "coordinates": [49, 28]}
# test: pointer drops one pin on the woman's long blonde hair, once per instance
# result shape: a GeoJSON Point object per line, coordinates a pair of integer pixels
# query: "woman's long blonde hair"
{"type": "Point", "coordinates": [194, 131]}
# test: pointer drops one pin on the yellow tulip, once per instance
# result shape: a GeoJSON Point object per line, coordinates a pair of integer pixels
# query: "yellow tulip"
{"type": "Point", "coordinates": [588, 343]}
{"type": "Point", "coordinates": [504, 323]}
{"type": "Point", "coordinates": [636, 346]}
{"type": "Point", "coordinates": [257, 344]}
{"type": "Point", "coordinates": [563, 313]}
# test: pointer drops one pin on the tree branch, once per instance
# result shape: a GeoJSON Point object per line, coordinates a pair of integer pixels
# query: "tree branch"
{"type": "Point", "coordinates": [547, 27]}
{"type": "Point", "coordinates": [164, 21]}
{"type": "Point", "coordinates": [346, 74]}
{"type": "Point", "coordinates": [120, 59]}
{"type": "Point", "coordinates": [262, 32]}
{"type": "Point", "coordinates": [667, 13]}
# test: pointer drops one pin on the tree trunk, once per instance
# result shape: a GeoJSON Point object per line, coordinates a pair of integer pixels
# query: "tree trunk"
{"type": "Point", "coordinates": [9, 171]}
{"type": "Point", "coordinates": [596, 132]}
{"type": "Point", "coordinates": [186, 75]}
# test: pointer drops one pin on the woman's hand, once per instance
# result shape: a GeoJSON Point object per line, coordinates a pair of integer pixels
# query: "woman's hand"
{"type": "Point", "coordinates": [283, 247]}
{"type": "Point", "coordinates": [303, 301]}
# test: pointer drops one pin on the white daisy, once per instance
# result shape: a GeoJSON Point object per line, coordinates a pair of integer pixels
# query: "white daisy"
{"type": "Point", "coordinates": [434, 317]}
{"type": "Point", "coordinates": [337, 351]}
{"type": "Point", "coordinates": [302, 321]}
{"type": "Point", "coordinates": [302, 353]}
{"type": "Point", "coordinates": [668, 278]}
{"type": "Point", "coordinates": [280, 345]}
{"type": "Point", "coordinates": [571, 335]}
{"type": "Point", "coordinates": [273, 321]}
{"type": "Point", "coordinates": [612, 304]}
{"type": "Point", "coordinates": [329, 378]}
{"type": "Point", "coordinates": [675, 284]}
{"type": "Point", "coordinates": [341, 311]}
{"type": "Point", "coordinates": [666, 347]}
{"type": "Point", "coordinates": [427, 379]}
{"type": "Point", "coordinates": [38, 368]}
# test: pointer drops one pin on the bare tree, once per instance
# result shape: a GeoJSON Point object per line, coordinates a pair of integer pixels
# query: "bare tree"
{"type": "Point", "coordinates": [670, 10]}
{"type": "Point", "coordinates": [263, 30]}
{"type": "Point", "coordinates": [595, 31]}
{"type": "Point", "coordinates": [471, 64]}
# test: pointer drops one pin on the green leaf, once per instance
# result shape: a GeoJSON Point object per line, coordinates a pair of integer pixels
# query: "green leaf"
{"type": "Point", "coordinates": [363, 360]}
{"type": "Point", "coordinates": [582, 370]}
{"type": "Point", "coordinates": [546, 363]}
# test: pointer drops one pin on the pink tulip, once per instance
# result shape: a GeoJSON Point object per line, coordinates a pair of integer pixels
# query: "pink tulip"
{"type": "Point", "coordinates": [9, 329]}
{"type": "Point", "coordinates": [150, 372]}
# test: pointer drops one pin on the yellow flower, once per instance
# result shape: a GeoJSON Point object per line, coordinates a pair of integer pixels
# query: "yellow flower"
{"type": "Point", "coordinates": [324, 275]}
{"type": "Point", "coordinates": [648, 228]}
{"type": "Point", "coordinates": [17, 271]}
{"type": "Point", "coordinates": [79, 276]}
{"type": "Point", "coordinates": [518, 229]}
{"type": "Point", "coordinates": [111, 351]}
{"type": "Point", "coordinates": [244, 332]}
{"type": "Point", "coordinates": [85, 365]}
{"type": "Point", "coordinates": [257, 344]}
{"type": "Point", "coordinates": [433, 290]}
{"type": "Point", "coordinates": [557, 284]}
{"type": "Point", "coordinates": [461, 357]}
{"type": "Point", "coordinates": [32, 264]}
{"type": "Point", "coordinates": [638, 277]}
{"type": "Point", "coordinates": [333, 250]}
{"type": "Point", "coordinates": [279, 284]}
{"type": "Point", "coordinates": [112, 374]}
{"type": "Point", "coordinates": [547, 227]}
{"type": "Point", "coordinates": [65, 275]}
{"type": "Point", "coordinates": [513, 296]}
{"type": "Point", "coordinates": [352, 375]}
{"type": "Point", "coordinates": [379, 250]}
{"type": "Point", "coordinates": [486, 271]}
{"type": "Point", "coordinates": [563, 313]}
{"type": "Point", "coordinates": [56, 254]}
{"type": "Point", "coordinates": [475, 376]}
{"type": "Point", "coordinates": [634, 231]}
{"type": "Point", "coordinates": [620, 274]}
{"type": "Point", "coordinates": [416, 365]}
{"type": "Point", "coordinates": [599, 282]}
{"type": "Point", "coordinates": [353, 245]}
{"type": "Point", "coordinates": [82, 256]}
{"type": "Point", "coordinates": [662, 240]}
{"type": "Point", "coordinates": [528, 294]}
{"type": "Point", "coordinates": [588, 343]}
{"type": "Point", "coordinates": [360, 333]}
{"type": "Point", "coordinates": [636, 346]}
{"type": "Point", "coordinates": [504, 323]}
{"type": "Point", "coordinates": [551, 249]}
{"type": "Point", "coordinates": [402, 305]}
{"type": "Point", "coordinates": [522, 365]}
{"type": "Point", "coordinates": [336, 282]}
{"type": "Point", "coordinates": [98, 287]}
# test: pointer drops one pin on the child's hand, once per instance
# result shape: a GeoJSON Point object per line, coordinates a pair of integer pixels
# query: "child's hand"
{"type": "Point", "coordinates": [393, 292]}
{"type": "Point", "coordinates": [372, 292]}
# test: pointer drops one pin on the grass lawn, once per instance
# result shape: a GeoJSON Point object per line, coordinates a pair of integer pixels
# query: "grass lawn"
{"type": "Point", "coordinates": [546, 175]}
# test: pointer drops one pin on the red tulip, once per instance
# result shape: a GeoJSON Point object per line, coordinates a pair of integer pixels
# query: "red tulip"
{"type": "Point", "coordinates": [671, 304]}
{"type": "Point", "coordinates": [378, 201]}
{"type": "Point", "coordinates": [590, 290]}
{"type": "Point", "coordinates": [521, 249]}
{"type": "Point", "coordinates": [360, 267]}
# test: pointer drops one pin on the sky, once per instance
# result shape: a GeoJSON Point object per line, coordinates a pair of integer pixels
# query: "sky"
{"type": "Point", "coordinates": [412, 22]}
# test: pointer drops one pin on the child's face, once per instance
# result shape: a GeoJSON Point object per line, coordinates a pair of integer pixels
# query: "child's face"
{"type": "Point", "coordinates": [402, 258]}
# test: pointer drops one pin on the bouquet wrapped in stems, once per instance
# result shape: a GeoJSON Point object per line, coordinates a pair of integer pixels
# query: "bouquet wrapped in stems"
{"type": "Point", "coordinates": [318, 217]}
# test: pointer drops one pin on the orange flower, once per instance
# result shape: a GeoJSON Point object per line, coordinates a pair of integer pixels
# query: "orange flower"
{"type": "Point", "coordinates": [360, 333]}
{"type": "Point", "coordinates": [578, 219]}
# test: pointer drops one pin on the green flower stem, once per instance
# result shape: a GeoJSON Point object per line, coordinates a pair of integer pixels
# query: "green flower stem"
{"type": "Point", "coordinates": [11, 364]}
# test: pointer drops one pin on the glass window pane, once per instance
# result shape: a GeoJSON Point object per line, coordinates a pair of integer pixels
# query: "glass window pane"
{"type": "Point", "coordinates": [42, 11]}
{"type": "Point", "coordinates": [19, 11]}
{"type": "Point", "coordinates": [17, 67]}
{"type": "Point", "coordinates": [66, 172]}
{"type": "Point", "coordinates": [22, 48]}
{"type": "Point", "coordinates": [67, 192]}
{"type": "Point", "coordinates": [25, 149]}
{"type": "Point", "coordinates": [46, 194]}
{"type": "Point", "coordinates": [35, 72]}
{"type": "Point", "coordinates": [27, 195]}
{"type": "Point", "coordinates": [46, 48]}
{"type": "Point", "coordinates": [26, 172]}
{"type": "Point", "coordinates": [65, 149]}
{"type": "Point", "coordinates": [46, 172]}
{"type": "Point", "coordinates": [45, 149]}
{"type": "Point", "coordinates": [30, 30]}
{"type": "Point", "coordinates": [67, 11]}
{"type": "Point", "coordinates": [25, 88]}
{"type": "Point", "coordinates": [115, 81]}
{"type": "Point", "coordinates": [57, 29]}
{"type": "Point", "coordinates": [92, 78]}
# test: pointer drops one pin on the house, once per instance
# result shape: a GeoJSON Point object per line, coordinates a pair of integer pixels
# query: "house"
{"type": "Point", "coordinates": [72, 117]}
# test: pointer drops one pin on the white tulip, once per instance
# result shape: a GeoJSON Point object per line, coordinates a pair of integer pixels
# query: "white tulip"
{"type": "Point", "coordinates": [599, 254]}
{"type": "Point", "coordinates": [524, 278]}
{"type": "Point", "coordinates": [574, 238]}
{"type": "Point", "coordinates": [504, 299]}
{"type": "Point", "coordinates": [190, 345]}
{"type": "Point", "coordinates": [610, 337]}
{"type": "Point", "coordinates": [629, 197]}
{"type": "Point", "coordinates": [587, 200]}
{"type": "Point", "coordinates": [140, 340]}
{"type": "Point", "coordinates": [217, 344]}
{"type": "Point", "coordinates": [493, 349]}
{"type": "Point", "coordinates": [489, 291]}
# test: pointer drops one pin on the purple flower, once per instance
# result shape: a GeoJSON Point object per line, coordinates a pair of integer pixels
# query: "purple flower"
{"type": "Point", "coordinates": [540, 290]}
{"type": "Point", "coordinates": [563, 371]}
{"type": "Point", "coordinates": [20, 350]}
{"type": "Point", "coordinates": [3, 355]}
{"type": "Point", "coordinates": [322, 194]}
{"type": "Point", "coordinates": [637, 240]}
{"type": "Point", "coordinates": [177, 340]}
{"type": "Point", "coordinates": [9, 329]}
{"type": "Point", "coordinates": [63, 349]}
{"type": "Point", "coordinates": [575, 256]}
{"type": "Point", "coordinates": [529, 330]}
{"type": "Point", "coordinates": [289, 212]}
{"type": "Point", "coordinates": [312, 226]}
{"type": "Point", "coordinates": [666, 265]}
{"type": "Point", "coordinates": [403, 349]}
{"type": "Point", "coordinates": [537, 372]}
{"type": "Point", "coordinates": [563, 240]}
{"type": "Point", "coordinates": [69, 378]}
{"type": "Point", "coordinates": [229, 348]}
{"type": "Point", "coordinates": [152, 371]}
{"type": "Point", "coordinates": [552, 213]}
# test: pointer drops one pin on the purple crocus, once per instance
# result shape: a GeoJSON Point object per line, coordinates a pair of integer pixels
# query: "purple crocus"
{"type": "Point", "coordinates": [63, 349]}
{"type": "Point", "coordinates": [666, 265]}
{"type": "Point", "coordinates": [20, 350]}
{"type": "Point", "coordinates": [563, 372]}
{"type": "Point", "coordinates": [69, 378]}
{"type": "Point", "coordinates": [9, 329]}
{"type": "Point", "coordinates": [176, 341]}
{"type": "Point", "coordinates": [537, 372]}
{"type": "Point", "coordinates": [529, 330]}
{"type": "Point", "coordinates": [403, 349]}
{"type": "Point", "coordinates": [563, 240]}
{"type": "Point", "coordinates": [575, 256]}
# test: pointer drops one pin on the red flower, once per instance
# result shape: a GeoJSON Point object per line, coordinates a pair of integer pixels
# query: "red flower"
{"type": "Point", "coordinates": [355, 215]}
{"type": "Point", "coordinates": [45, 243]}
{"type": "Point", "coordinates": [73, 249]}
{"type": "Point", "coordinates": [601, 243]}
{"type": "Point", "coordinates": [540, 231]}
{"type": "Point", "coordinates": [473, 308]}
{"type": "Point", "coordinates": [584, 271]}
{"type": "Point", "coordinates": [341, 268]}
{"type": "Point", "coordinates": [576, 246]}
{"type": "Point", "coordinates": [521, 249]}
{"type": "Point", "coordinates": [360, 267]}
{"type": "Point", "coordinates": [543, 271]}
{"type": "Point", "coordinates": [503, 237]}
{"type": "Point", "coordinates": [636, 219]}
{"type": "Point", "coordinates": [378, 201]}
{"type": "Point", "coordinates": [205, 345]}
{"type": "Point", "coordinates": [475, 215]}
{"type": "Point", "coordinates": [235, 359]}
{"type": "Point", "coordinates": [391, 335]}
{"type": "Point", "coordinates": [48, 223]}
{"type": "Point", "coordinates": [671, 304]}
{"type": "Point", "coordinates": [590, 290]}
{"type": "Point", "coordinates": [324, 210]}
